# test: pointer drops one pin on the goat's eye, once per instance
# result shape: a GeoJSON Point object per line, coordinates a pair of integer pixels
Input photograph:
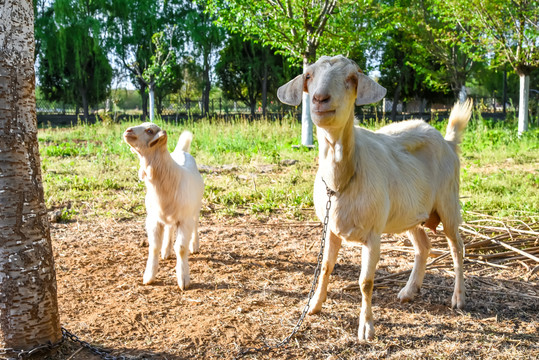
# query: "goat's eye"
{"type": "Point", "coordinates": [149, 131]}
{"type": "Point", "coordinates": [307, 76]}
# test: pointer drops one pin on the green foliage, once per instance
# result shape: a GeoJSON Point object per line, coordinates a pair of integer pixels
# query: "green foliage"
{"type": "Point", "coordinates": [248, 71]}
{"type": "Point", "coordinates": [297, 29]}
{"type": "Point", "coordinates": [507, 31]}
{"type": "Point", "coordinates": [73, 63]}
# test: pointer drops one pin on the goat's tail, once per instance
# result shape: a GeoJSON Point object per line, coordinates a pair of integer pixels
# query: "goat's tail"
{"type": "Point", "coordinates": [184, 143]}
{"type": "Point", "coordinates": [460, 115]}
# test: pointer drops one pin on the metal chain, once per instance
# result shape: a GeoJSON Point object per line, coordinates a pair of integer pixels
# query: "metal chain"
{"type": "Point", "coordinates": [287, 339]}
{"type": "Point", "coordinates": [21, 354]}
{"type": "Point", "coordinates": [104, 354]}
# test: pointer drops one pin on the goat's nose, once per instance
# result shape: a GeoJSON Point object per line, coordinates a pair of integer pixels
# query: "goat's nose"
{"type": "Point", "coordinates": [321, 97]}
{"type": "Point", "coordinates": [129, 130]}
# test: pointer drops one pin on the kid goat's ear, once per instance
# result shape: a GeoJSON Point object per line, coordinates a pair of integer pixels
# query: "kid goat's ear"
{"type": "Point", "coordinates": [368, 90]}
{"type": "Point", "coordinates": [291, 92]}
{"type": "Point", "coordinates": [161, 136]}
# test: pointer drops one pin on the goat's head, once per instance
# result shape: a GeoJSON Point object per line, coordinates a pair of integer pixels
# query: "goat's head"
{"type": "Point", "coordinates": [145, 138]}
{"type": "Point", "coordinates": [334, 84]}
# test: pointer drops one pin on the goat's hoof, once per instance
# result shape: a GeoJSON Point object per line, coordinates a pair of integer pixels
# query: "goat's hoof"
{"type": "Point", "coordinates": [148, 279]}
{"type": "Point", "coordinates": [458, 302]}
{"type": "Point", "coordinates": [183, 282]}
{"type": "Point", "coordinates": [314, 307]}
{"type": "Point", "coordinates": [365, 332]}
{"type": "Point", "coordinates": [407, 294]}
{"type": "Point", "coordinates": [194, 249]}
{"type": "Point", "coordinates": [165, 256]}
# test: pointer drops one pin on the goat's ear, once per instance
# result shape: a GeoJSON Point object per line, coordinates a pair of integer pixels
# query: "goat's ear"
{"type": "Point", "coordinates": [161, 136]}
{"type": "Point", "coordinates": [291, 92]}
{"type": "Point", "coordinates": [368, 90]}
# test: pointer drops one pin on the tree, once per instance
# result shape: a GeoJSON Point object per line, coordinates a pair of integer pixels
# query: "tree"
{"type": "Point", "coordinates": [297, 29]}
{"type": "Point", "coordinates": [131, 25]}
{"type": "Point", "coordinates": [28, 299]}
{"type": "Point", "coordinates": [246, 70]}
{"type": "Point", "coordinates": [206, 39]}
{"type": "Point", "coordinates": [509, 33]}
{"type": "Point", "coordinates": [74, 66]}
{"type": "Point", "coordinates": [160, 70]}
{"type": "Point", "coordinates": [441, 47]}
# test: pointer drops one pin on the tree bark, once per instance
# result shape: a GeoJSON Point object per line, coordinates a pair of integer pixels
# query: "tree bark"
{"type": "Point", "coordinates": [206, 81]}
{"type": "Point", "coordinates": [265, 84]}
{"type": "Point", "coordinates": [28, 295]}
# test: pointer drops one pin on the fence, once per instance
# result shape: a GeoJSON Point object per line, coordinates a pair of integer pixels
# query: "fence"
{"type": "Point", "coordinates": [61, 113]}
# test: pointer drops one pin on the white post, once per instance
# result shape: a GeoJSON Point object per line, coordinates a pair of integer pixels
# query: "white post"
{"type": "Point", "coordinates": [523, 103]}
{"type": "Point", "coordinates": [306, 123]}
{"type": "Point", "coordinates": [151, 103]}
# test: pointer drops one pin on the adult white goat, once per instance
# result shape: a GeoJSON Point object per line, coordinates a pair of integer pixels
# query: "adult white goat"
{"type": "Point", "coordinates": [389, 181]}
{"type": "Point", "coordinates": [174, 190]}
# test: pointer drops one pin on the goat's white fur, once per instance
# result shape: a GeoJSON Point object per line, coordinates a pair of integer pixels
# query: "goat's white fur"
{"type": "Point", "coordinates": [389, 181]}
{"type": "Point", "coordinates": [174, 190]}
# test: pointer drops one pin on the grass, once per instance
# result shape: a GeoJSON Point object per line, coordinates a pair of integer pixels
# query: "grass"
{"type": "Point", "coordinates": [89, 171]}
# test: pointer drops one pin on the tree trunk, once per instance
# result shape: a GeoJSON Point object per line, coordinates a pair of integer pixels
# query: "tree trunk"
{"type": "Point", "coordinates": [28, 299]}
{"type": "Point", "coordinates": [84, 97]}
{"type": "Point", "coordinates": [152, 102]}
{"type": "Point", "coordinates": [396, 97]}
{"type": "Point", "coordinates": [523, 103]}
{"type": "Point", "coordinates": [306, 122]}
{"type": "Point", "coordinates": [504, 98]}
{"type": "Point", "coordinates": [265, 86]}
{"type": "Point", "coordinates": [144, 97]}
{"type": "Point", "coordinates": [206, 82]}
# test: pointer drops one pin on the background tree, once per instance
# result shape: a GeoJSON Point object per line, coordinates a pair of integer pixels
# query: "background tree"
{"type": "Point", "coordinates": [131, 26]}
{"type": "Point", "coordinates": [160, 70]}
{"type": "Point", "coordinates": [169, 85]}
{"type": "Point", "coordinates": [29, 309]}
{"type": "Point", "coordinates": [73, 64]}
{"type": "Point", "coordinates": [509, 32]}
{"type": "Point", "coordinates": [246, 70]}
{"type": "Point", "coordinates": [206, 38]}
{"type": "Point", "coordinates": [441, 47]}
{"type": "Point", "coordinates": [297, 29]}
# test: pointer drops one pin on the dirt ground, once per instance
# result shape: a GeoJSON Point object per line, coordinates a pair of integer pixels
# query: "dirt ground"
{"type": "Point", "coordinates": [249, 283]}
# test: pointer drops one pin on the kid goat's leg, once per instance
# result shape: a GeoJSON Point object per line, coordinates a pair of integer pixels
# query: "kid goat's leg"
{"type": "Point", "coordinates": [370, 254]}
{"type": "Point", "coordinates": [168, 241]}
{"type": "Point", "coordinates": [331, 250]}
{"type": "Point", "coordinates": [194, 244]}
{"type": "Point", "coordinates": [422, 246]}
{"type": "Point", "coordinates": [181, 247]}
{"type": "Point", "coordinates": [155, 239]}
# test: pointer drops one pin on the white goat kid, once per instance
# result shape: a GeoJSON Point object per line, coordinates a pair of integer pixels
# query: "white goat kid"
{"type": "Point", "coordinates": [389, 181]}
{"type": "Point", "coordinates": [174, 190]}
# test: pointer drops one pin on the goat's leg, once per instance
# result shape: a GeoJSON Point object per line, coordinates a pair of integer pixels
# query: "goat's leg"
{"type": "Point", "coordinates": [168, 241]}
{"type": "Point", "coordinates": [333, 245]}
{"type": "Point", "coordinates": [181, 247]}
{"type": "Point", "coordinates": [457, 253]}
{"type": "Point", "coordinates": [194, 244]}
{"type": "Point", "coordinates": [370, 254]}
{"type": "Point", "coordinates": [155, 239]}
{"type": "Point", "coordinates": [422, 246]}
